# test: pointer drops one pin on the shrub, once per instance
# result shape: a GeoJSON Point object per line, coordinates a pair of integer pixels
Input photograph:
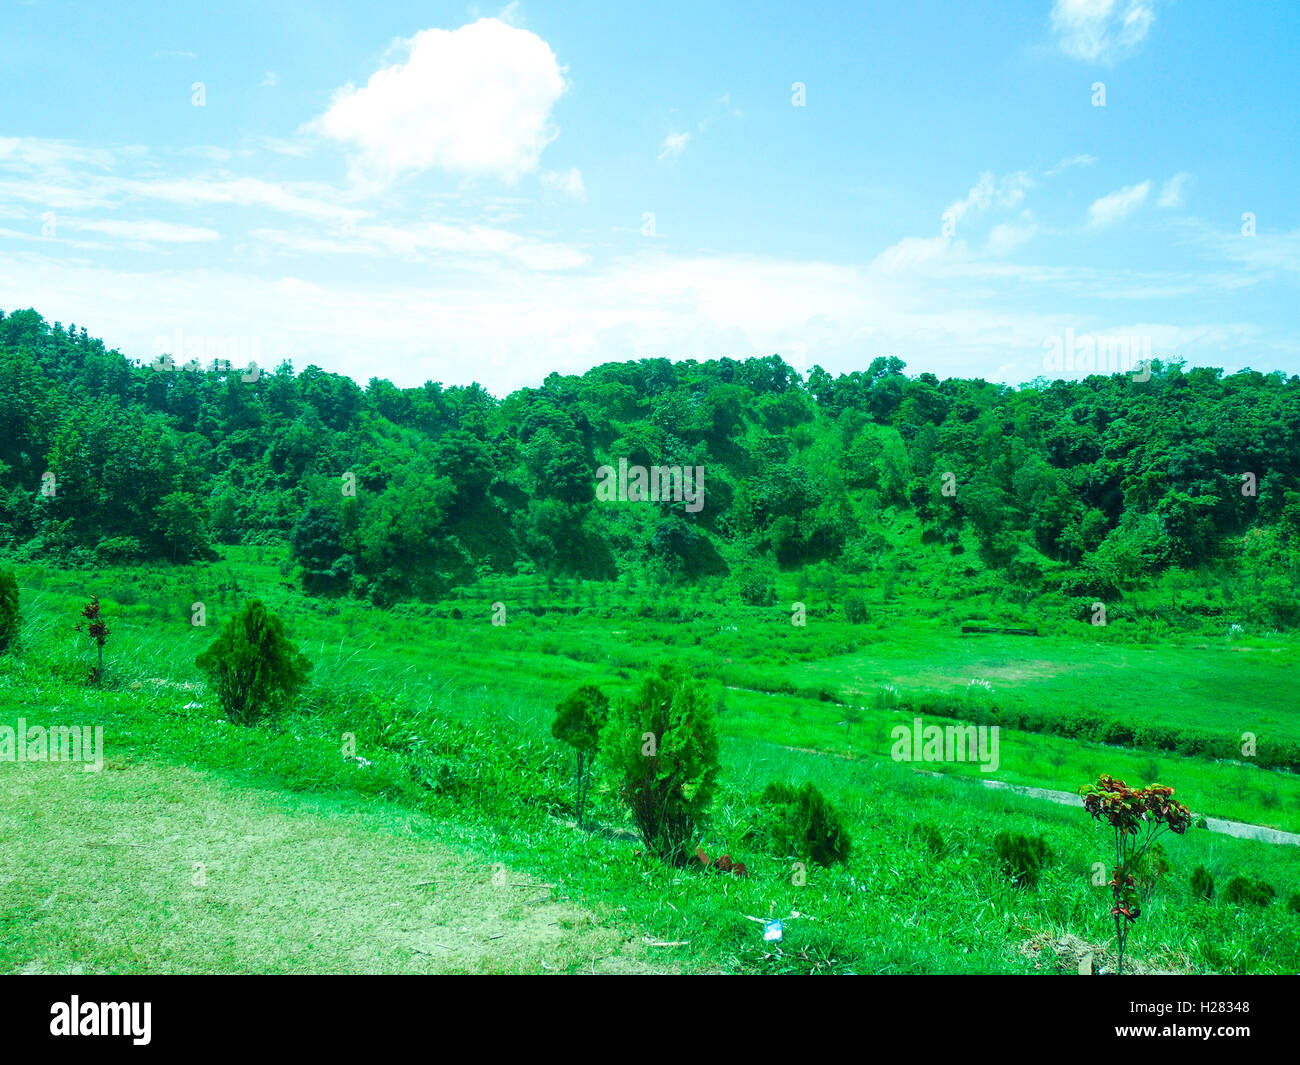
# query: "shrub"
{"type": "Point", "coordinates": [1136, 816]}
{"type": "Point", "coordinates": [253, 666]}
{"type": "Point", "coordinates": [800, 821]}
{"type": "Point", "coordinates": [1023, 857]}
{"type": "Point", "coordinates": [1242, 891]}
{"type": "Point", "coordinates": [8, 610]}
{"type": "Point", "coordinates": [97, 630]}
{"type": "Point", "coordinates": [856, 609]}
{"type": "Point", "coordinates": [1293, 903]}
{"type": "Point", "coordinates": [1202, 883]}
{"type": "Point", "coordinates": [578, 720]}
{"type": "Point", "coordinates": [661, 746]}
{"type": "Point", "coordinates": [928, 835]}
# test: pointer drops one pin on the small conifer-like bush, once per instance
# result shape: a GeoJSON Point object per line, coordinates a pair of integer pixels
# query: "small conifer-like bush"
{"type": "Point", "coordinates": [800, 822]}
{"type": "Point", "coordinates": [1023, 857]}
{"type": "Point", "coordinates": [661, 747]}
{"type": "Point", "coordinates": [1242, 891]}
{"type": "Point", "coordinates": [8, 610]}
{"type": "Point", "coordinates": [578, 720]}
{"type": "Point", "coordinates": [1202, 883]}
{"type": "Point", "coordinates": [253, 666]}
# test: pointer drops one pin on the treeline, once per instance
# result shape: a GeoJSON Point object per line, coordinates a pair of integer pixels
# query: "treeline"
{"type": "Point", "coordinates": [1089, 488]}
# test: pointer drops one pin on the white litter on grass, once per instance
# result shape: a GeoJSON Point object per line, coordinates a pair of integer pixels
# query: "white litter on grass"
{"type": "Point", "coordinates": [193, 706]}
{"type": "Point", "coordinates": [772, 931]}
{"type": "Point", "coordinates": [362, 762]}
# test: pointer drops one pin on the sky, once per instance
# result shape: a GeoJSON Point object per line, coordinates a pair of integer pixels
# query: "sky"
{"type": "Point", "coordinates": [435, 191]}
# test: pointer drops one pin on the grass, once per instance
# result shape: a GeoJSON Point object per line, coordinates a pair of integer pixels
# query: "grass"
{"type": "Point", "coordinates": [452, 717]}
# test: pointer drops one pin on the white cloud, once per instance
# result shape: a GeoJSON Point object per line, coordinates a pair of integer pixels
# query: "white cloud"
{"type": "Point", "coordinates": [1101, 30]}
{"type": "Point", "coordinates": [476, 100]}
{"type": "Point", "coordinates": [1111, 208]}
{"type": "Point", "coordinates": [673, 146]}
{"type": "Point", "coordinates": [1006, 236]}
{"type": "Point", "coordinates": [1174, 191]}
{"type": "Point", "coordinates": [988, 191]}
{"type": "Point", "coordinates": [143, 229]}
{"type": "Point", "coordinates": [270, 79]}
{"type": "Point", "coordinates": [1071, 161]}
{"type": "Point", "coordinates": [460, 243]}
{"type": "Point", "coordinates": [568, 183]}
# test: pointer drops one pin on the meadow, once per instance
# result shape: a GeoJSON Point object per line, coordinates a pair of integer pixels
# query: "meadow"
{"type": "Point", "coordinates": [449, 718]}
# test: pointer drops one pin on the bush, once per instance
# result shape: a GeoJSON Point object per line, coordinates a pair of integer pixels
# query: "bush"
{"type": "Point", "coordinates": [661, 746]}
{"type": "Point", "coordinates": [800, 821]}
{"type": "Point", "coordinates": [578, 720]}
{"type": "Point", "coordinates": [253, 666]}
{"type": "Point", "coordinates": [1293, 903]}
{"type": "Point", "coordinates": [1023, 857]}
{"type": "Point", "coordinates": [1202, 883]}
{"type": "Point", "coordinates": [856, 609]}
{"type": "Point", "coordinates": [8, 610]}
{"type": "Point", "coordinates": [1242, 891]}
{"type": "Point", "coordinates": [928, 835]}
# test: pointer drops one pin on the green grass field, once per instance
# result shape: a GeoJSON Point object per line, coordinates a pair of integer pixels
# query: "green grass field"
{"type": "Point", "coordinates": [309, 850]}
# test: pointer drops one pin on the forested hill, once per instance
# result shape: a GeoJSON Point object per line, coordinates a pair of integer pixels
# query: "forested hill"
{"type": "Point", "coordinates": [1075, 489]}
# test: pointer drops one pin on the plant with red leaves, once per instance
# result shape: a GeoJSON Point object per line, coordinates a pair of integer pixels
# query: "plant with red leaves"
{"type": "Point", "coordinates": [98, 631]}
{"type": "Point", "coordinates": [1137, 816]}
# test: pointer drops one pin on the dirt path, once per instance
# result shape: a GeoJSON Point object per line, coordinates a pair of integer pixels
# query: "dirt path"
{"type": "Point", "coordinates": [162, 869]}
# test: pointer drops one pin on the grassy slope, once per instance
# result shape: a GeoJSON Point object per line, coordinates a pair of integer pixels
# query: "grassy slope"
{"type": "Point", "coordinates": [898, 907]}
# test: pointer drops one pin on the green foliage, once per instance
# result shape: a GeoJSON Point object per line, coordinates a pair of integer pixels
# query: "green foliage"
{"type": "Point", "coordinates": [8, 610]}
{"type": "Point", "coordinates": [800, 822]}
{"type": "Point", "coordinates": [253, 666]}
{"type": "Point", "coordinates": [578, 721]}
{"type": "Point", "coordinates": [1022, 857]}
{"type": "Point", "coordinates": [927, 834]}
{"type": "Point", "coordinates": [856, 609]}
{"type": "Point", "coordinates": [1202, 883]}
{"type": "Point", "coordinates": [1243, 891]}
{"type": "Point", "coordinates": [1293, 903]}
{"type": "Point", "coordinates": [661, 747]}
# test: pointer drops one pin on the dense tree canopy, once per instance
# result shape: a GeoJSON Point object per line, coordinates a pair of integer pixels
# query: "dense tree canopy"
{"type": "Point", "coordinates": [393, 492]}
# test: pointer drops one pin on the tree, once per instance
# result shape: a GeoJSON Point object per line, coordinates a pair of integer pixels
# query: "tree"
{"type": "Point", "coordinates": [661, 746]}
{"type": "Point", "coordinates": [578, 721]}
{"type": "Point", "coordinates": [253, 666]}
{"type": "Point", "coordinates": [8, 610]}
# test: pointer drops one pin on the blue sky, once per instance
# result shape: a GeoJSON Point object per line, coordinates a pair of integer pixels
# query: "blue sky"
{"type": "Point", "coordinates": [439, 191]}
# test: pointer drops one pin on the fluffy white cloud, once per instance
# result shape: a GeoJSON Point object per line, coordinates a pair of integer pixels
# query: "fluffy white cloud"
{"type": "Point", "coordinates": [1111, 208]}
{"type": "Point", "coordinates": [1101, 30]}
{"type": "Point", "coordinates": [476, 100]}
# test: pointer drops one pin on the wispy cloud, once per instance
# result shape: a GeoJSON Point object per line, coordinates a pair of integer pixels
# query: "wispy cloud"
{"type": "Point", "coordinates": [1101, 30]}
{"type": "Point", "coordinates": [1111, 208]}
{"type": "Point", "coordinates": [673, 146]}
{"type": "Point", "coordinates": [1070, 162]}
{"type": "Point", "coordinates": [1174, 191]}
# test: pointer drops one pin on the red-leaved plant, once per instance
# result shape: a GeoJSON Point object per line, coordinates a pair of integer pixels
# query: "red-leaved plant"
{"type": "Point", "coordinates": [1137, 816]}
{"type": "Point", "coordinates": [98, 632]}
